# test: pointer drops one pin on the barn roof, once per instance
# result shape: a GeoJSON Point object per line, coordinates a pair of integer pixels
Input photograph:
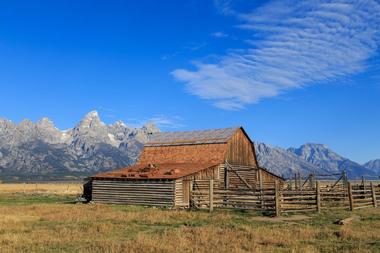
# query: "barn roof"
{"type": "Point", "coordinates": [155, 171]}
{"type": "Point", "coordinates": [210, 136]}
{"type": "Point", "coordinates": [271, 173]}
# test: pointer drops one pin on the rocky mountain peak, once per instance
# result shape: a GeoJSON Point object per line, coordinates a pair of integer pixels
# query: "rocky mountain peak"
{"type": "Point", "coordinates": [313, 152]}
{"type": "Point", "coordinates": [89, 146]}
{"type": "Point", "coordinates": [91, 120]}
{"type": "Point", "coordinates": [150, 128]}
{"type": "Point", "coordinates": [6, 124]}
{"type": "Point", "coordinates": [373, 165]}
{"type": "Point", "coordinates": [119, 123]}
{"type": "Point", "coordinates": [92, 114]}
{"type": "Point", "coordinates": [323, 157]}
{"type": "Point", "coordinates": [26, 124]}
{"type": "Point", "coordinates": [282, 161]}
{"type": "Point", "coordinates": [45, 123]}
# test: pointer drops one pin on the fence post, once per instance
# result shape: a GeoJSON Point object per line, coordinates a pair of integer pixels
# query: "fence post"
{"type": "Point", "coordinates": [373, 195]}
{"type": "Point", "coordinates": [277, 198]}
{"type": "Point", "coordinates": [226, 178]}
{"type": "Point", "coordinates": [350, 198]}
{"type": "Point", "coordinates": [300, 181]}
{"type": "Point", "coordinates": [318, 197]}
{"type": "Point", "coordinates": [312, 181]}
{"type": "Point", "coordinates": [344, 176]}
{"type": "Point", "coordinates": [211, 195]}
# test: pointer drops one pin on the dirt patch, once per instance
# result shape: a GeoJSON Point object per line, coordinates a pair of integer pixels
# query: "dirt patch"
{"type": "Point", "coordinates": [282, 219]}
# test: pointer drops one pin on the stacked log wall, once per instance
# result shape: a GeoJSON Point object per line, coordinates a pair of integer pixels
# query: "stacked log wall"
{"type": "Point", "coordinates": [134, 192]}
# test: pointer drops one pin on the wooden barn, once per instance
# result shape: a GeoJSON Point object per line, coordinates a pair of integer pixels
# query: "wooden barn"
{"type": "Point", "coordinates": [171, 162]}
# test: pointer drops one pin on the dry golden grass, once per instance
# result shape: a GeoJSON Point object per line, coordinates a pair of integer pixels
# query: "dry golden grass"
{"type": "Point", "coordinates": [47, 223]}
{"type": "Point", "coordinates": [50, 188]}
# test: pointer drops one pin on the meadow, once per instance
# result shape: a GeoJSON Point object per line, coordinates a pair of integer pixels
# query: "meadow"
{"type": "Point", "coordinates": [44, 218]}
{"type": "Point", "coordinates": [42, 188]}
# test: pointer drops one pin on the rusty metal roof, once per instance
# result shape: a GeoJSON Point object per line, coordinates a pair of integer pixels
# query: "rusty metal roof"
{"type": "Point", "coordinates": [155, 171]}
{"type": "Point", "coordinates": [191, 137]}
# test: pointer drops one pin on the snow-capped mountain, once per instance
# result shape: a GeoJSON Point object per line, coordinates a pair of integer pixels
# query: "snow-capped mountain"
{"type": "Point", "coordinates": [89, 146]}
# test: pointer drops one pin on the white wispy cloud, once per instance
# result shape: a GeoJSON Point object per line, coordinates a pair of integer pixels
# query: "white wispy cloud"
{"type": "Point", "coordinates": [294, 44]}
{"type": "Point", "coordinates": [192, 47]}
{"type": "Point", "coordinates": [219, 35]}
{"type": "Point", "coordinates": [161, 121]}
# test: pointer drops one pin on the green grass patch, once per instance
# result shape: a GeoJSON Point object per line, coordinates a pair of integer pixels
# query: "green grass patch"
{"type": "Point", "coordinates": [28, 199]}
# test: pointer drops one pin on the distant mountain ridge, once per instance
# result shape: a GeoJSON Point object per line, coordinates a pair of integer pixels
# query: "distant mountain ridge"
{"type": "Point", "coordinates": [373, 165]}
{"type": "Point", "coordinates": [326, 159]}
{"type": "Point", "coordinates": [92, 146]}
{"type": "Point", "coordinates": [309, 158]}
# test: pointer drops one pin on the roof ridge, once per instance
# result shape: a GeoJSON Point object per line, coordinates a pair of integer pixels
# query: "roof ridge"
{"type": "Point", "coordinates": [219, 135]}
{"type": "Point", "coordinates": [199, 130]}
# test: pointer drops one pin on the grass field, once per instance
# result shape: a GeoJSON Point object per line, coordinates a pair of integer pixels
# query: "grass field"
{"type": "Point", "coordinates": [48, 188]}
{"type": "Point", "coordinates": [46, 222]}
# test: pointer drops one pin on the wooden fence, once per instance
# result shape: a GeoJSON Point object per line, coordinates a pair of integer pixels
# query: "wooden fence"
{"type": "Point", "coordinates": [278, 200]}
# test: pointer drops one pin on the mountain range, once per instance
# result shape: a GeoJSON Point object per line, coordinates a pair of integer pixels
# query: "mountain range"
{"type": "Point", "coordinates": [92, 146]}
{"type": "Point", "coordinates": [89, 146]}
{"type": "Point", "coordinates": [312, 158]}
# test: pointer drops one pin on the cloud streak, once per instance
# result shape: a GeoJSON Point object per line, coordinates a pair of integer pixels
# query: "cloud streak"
{"type": "Point", "coordinates": [293, 45]}
{"type": "Point", "coordinates": [160, 120]}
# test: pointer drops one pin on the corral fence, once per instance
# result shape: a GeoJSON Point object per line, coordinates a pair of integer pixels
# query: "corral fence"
{"type": "Point", "coordinates": [206, 194]}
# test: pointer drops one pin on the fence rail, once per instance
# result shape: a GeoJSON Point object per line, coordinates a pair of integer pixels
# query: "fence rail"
{"type": "Point", "coordinates": [280, 201]}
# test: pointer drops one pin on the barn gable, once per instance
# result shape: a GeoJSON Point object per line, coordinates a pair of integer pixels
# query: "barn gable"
{"type": "Point", "coordinates": [207, 146]}
{"type": "Point", "coordinates": [240, 149]}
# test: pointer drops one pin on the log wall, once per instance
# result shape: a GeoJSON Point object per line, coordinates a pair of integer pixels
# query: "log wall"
{"type": "Point", "coordinates": [147, 193]}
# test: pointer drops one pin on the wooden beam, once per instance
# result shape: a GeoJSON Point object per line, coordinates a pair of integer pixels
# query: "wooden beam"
{"type": "Point", "coordinates": [373, 195]}
{"type": "Point", "coordinates": [211, 195]}
{"type": "Point", "coordinates": [350, 198]}
{"type": "Point", "coordinates": [337, 182]}
{"type": "Point", "coordinates": [307, 179]}
{"type": "Point", "coordinates": [226, 178]}
{"type": "Point", "coordinates": [242, 179]}
{"type": "Point", "coordinates": [229, 168]}
{"type": "Point", "coordinates": [277, 198]}
{"type": "Point", "coordinates": [318, 197]}
{"type": "Point", "coordinates": [190, 193]}
{"type": "Point", "coordinates": [261, 187]}
{"type": "Point", "coordinates": [260, 179]}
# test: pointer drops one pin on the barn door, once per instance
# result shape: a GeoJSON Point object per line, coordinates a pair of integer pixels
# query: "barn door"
{"type": "Point", "coordinates": [236, 176]}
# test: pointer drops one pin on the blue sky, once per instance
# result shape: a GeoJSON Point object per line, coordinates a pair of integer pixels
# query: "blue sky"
{"type": "Point", "coordinates": [289, 72]}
